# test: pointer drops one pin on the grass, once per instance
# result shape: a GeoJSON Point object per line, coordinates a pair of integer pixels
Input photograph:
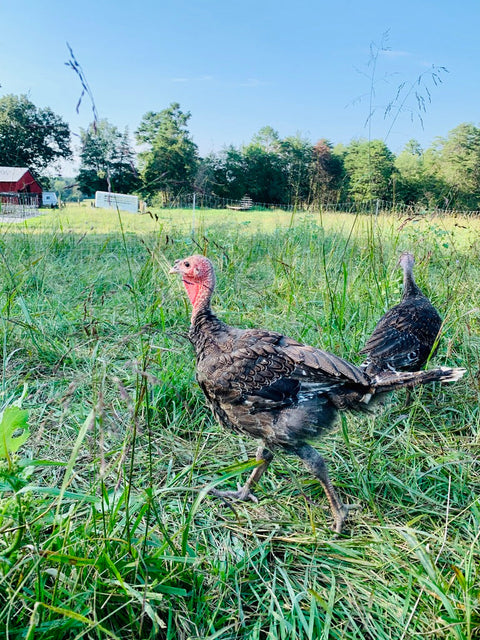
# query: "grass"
{"type": "Point", "coordinates": [107, 531]}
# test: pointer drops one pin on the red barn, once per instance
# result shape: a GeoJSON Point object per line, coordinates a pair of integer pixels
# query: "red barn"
{"type": "Point", "coordinates": [18, 180]}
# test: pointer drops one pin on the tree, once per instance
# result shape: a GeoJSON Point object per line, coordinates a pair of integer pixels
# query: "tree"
{"type": "Point", "coordinates": [409, 181]}
{"type": "Point", "coordinates": [273, 170]}
{"type": "Point", "coordinates": [227, 173]}
{"type": "Point", "coordinates": [297, 157]}
{"type": "Point", "coordinates": [107, 160]}
{"type": "Point", "coordinates": [31, 137]}
{"type": "Point", "coordinates": [267, 139]}
{"type": "Point", "coordinates": [326, 173]}
{"type": "Point", "coordinates": [264, 174]}
{"type": "Point", "coordinates": [265, 178]}
{"type": "Point", "coordinates": [456, 161]}
{"type": "Point", "coordinates": [257, 169]}
{"type": "Point", "coordinates": [369, 166]}
{"type": "Point", "coordinates": [170, 162]}
{"type": "Point", "coordinates": [67, 189]}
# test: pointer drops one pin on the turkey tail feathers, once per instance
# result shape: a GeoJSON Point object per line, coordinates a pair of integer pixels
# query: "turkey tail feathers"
{"type": "Point", "coordinates": [389, 381]}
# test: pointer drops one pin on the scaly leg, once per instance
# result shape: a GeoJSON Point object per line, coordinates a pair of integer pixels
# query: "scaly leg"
{"type": "Point", "coordinates": [264, 456]}
{"type": "Point", "coordinates": [316, 465]}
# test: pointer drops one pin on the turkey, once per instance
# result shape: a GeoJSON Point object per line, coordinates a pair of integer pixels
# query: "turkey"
{"type": "Point", "coordinates": [266, 385]}
{"type": "Point", "coordinates": [406, 335]}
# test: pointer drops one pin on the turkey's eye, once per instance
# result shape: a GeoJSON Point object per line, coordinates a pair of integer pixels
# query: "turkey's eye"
{"type": "Point", "coordinates": [187, 264]}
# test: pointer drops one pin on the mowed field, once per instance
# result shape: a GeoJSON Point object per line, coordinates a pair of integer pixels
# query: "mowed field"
{"type": "Point", "coordinates": [106, 528]}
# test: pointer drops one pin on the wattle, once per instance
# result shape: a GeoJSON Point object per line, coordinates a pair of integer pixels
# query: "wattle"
{"type": "Point", "coordinates": [193, 289]}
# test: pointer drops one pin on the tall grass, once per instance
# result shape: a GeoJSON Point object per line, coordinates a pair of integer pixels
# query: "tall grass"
{"type": "Point", "coordinates": [118, 537]}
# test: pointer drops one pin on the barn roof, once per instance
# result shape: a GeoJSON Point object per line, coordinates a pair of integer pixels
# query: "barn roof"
{"type": "Point", "coordinates": [12, 174]}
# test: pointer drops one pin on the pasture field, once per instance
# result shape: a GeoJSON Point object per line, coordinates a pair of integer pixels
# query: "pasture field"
{"type": "Point", "coordinates": [106, 528]}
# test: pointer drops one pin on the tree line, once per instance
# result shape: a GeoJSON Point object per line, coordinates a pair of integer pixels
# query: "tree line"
{"type": "Point", "coordinates": [269, 169]}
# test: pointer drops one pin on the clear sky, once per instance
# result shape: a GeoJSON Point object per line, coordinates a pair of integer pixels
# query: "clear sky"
{"type": "Point", "coordinates": [315, 68]}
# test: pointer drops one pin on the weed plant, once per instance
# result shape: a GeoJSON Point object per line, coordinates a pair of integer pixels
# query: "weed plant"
{"type": "Point", "coordinates": [107, 530]}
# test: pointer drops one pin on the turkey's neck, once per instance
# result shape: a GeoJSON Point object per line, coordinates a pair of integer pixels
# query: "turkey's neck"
{"type": "Point", "coordinates": [409, 285]}
{"type": "Point", "coordinates": [200, 295]}
{"type": "Point", "coordinates": [204, 323]}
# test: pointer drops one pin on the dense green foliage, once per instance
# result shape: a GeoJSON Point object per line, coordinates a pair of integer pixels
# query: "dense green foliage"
{"type": "Point", "coordinates": [106, 528]}
{"type": "Point", "coordinates": [106, 160]}
{"type": "Point", "coordinates": [31, 137]}
{"type": "Point", "coordinates": [170, 162]}
{"type": "Point", "coordinates": [67, 189]}
{"type": "Point", "coordinates": [294, 171]}
{"type": "Point", "coordinates": [290, 171]}
{"type": "Point", "coordinates": [369, 167]}
{"type": "Point", "coordinates": [456, 161]}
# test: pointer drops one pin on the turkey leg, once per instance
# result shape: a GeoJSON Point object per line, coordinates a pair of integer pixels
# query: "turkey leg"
{"type": "Point", "coordinates": [316, 465]}
{"type": "Point", "coordinates": [264, 456]}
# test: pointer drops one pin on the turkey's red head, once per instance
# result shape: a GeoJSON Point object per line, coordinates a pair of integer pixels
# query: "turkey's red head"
{"type": "Point", "coordinates": [198, 278]}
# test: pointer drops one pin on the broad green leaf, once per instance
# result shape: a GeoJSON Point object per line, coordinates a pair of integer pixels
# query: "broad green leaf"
{"type": "Point", "coordinates": [13, 419]}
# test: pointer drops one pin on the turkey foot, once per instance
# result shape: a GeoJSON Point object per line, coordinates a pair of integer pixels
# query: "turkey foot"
{"type": "Point", "coordinates": [242, 494]}
{"type": "Point", "coordinates": [264, 456]}
{"type": "Point", "coordinates": [341, 515]}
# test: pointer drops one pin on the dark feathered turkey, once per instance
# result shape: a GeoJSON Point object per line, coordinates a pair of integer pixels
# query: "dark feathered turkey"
{"type": "Point", "coordinates": [406, 335]}
{"type": "Point", "coordinates": [273, 388]}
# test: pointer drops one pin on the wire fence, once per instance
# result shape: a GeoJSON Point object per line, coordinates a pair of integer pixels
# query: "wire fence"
{"type": "Point", "coordinates": [71, 246]}
{"type": "Point", "coordinates": [374, 206]}
{"type": "Point", "coordinates": [18, 205]}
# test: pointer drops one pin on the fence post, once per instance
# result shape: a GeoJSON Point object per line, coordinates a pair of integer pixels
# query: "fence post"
{"type": "Point", "coordinates": [193, 215]}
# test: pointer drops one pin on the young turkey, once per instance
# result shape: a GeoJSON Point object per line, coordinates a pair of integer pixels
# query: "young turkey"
{"type": "Point", "coordinates": [266, 385]}
{"type": "Point", "coordinates": [406, 335]}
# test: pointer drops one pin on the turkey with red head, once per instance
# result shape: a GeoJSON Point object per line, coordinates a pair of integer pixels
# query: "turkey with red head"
{"type": "Point", "coordinates": [407, 334]}
{"type": "Point", "coordinates": [273, 388]}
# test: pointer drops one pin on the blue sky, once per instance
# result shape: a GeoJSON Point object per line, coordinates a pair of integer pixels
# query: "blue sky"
{"type": "Point", "coordinates": [300, 67]}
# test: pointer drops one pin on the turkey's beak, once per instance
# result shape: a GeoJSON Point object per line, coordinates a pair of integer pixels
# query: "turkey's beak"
{"type": "Point", "coordinates": [175, 268]}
